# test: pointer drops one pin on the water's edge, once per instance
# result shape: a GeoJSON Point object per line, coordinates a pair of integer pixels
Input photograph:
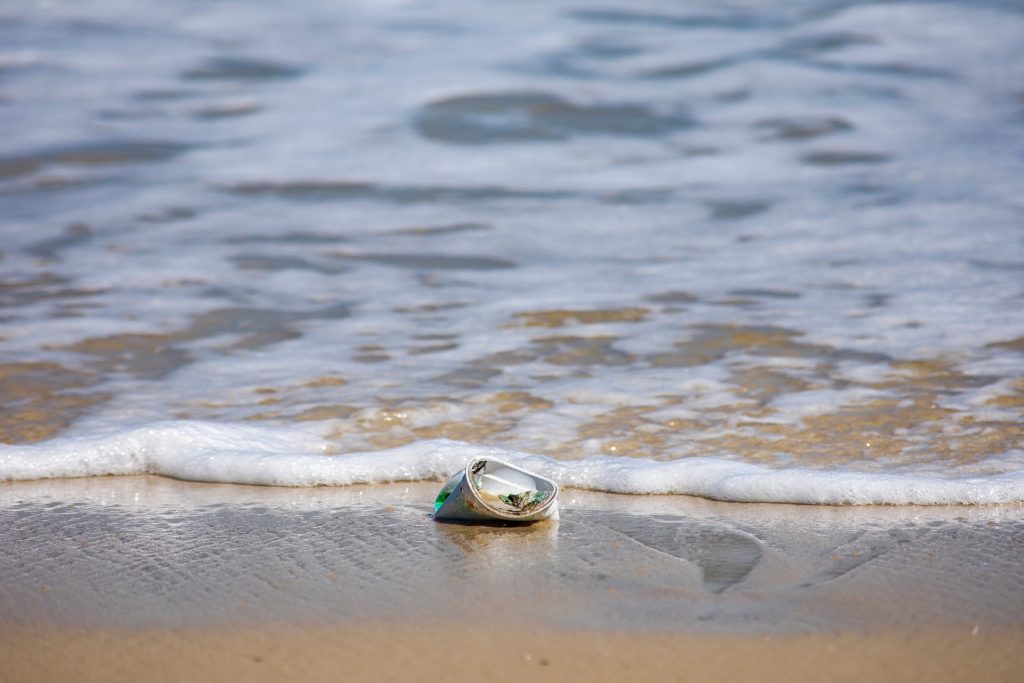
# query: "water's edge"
{"type": "Point", "coordinates": [238, 454]}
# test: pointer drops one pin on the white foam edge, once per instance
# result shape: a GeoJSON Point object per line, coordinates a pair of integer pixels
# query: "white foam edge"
{"type": "Point", "coordinates": [241, 454]}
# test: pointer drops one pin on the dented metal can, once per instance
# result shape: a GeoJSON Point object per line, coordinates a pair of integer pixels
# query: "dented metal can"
{"type": "Point", "coordinates": [490, 489]}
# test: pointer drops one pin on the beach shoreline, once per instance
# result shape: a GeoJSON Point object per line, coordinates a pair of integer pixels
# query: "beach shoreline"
{"type": "Point", "coordinates": [129, 578]}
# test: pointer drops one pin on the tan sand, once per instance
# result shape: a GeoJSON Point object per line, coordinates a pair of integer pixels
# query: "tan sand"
{"type": "Point", "coordinates": [420, 652]}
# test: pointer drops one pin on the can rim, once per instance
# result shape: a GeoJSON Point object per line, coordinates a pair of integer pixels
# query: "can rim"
{"type": "Point", "coordinates": [503, 514]}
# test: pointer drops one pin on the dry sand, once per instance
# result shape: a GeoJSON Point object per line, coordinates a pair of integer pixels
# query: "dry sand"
{"type": "Point", "coordinates": [142, 578]}
{"type": "Point", "coordinates": [420, 652]}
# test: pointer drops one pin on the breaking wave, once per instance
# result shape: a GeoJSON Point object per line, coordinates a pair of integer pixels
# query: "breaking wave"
{"type": "Point", "coordinates": [225, 453]}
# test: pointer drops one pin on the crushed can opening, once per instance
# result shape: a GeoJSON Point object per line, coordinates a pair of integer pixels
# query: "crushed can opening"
{"type": "Point", "coordinates": [492, 489]}
{"type": "Point", "coordinates": [509, 489]}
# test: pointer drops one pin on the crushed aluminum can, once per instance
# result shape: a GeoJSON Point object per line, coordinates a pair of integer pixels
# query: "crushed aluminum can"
{"type": "Point", "coordinates": [489, 489]}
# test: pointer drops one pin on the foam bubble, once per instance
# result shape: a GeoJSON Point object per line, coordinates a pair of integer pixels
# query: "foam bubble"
{"type": "Point", "coordinates": [197, 451]}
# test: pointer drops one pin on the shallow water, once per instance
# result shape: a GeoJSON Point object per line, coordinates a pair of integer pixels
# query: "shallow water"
{"type": "Point", "coordinates": [780, 235]}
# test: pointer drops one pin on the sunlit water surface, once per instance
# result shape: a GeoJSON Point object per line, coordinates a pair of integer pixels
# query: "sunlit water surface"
{"type": "Point", "coordinates": [789, 234]}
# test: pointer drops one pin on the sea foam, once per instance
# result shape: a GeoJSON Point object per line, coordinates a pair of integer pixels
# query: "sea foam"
{"type": "Point", "coordinates": [207, 452]}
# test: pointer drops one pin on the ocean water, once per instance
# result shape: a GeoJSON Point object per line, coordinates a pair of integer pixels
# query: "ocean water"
{"type": "Point", "coordinates": [745, 250]}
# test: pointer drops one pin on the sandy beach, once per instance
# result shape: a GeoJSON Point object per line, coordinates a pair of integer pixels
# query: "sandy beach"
{"type": "Point", "coordinates": [411, 652]}
{"type": "Point", "coordinates": [146, 578]}
{"type": "Point", "coordinates": [743, 279]}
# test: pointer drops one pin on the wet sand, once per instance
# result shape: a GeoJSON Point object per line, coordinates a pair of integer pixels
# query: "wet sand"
{"type": "Point", "coordinates": [148, 578]}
